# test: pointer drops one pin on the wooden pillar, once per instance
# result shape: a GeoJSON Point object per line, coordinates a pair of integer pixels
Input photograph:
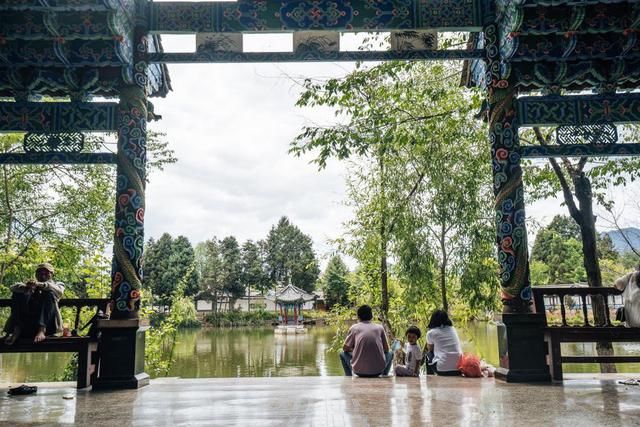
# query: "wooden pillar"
{"type": "Point", "coordinates": [121, 349]}
{"type": "Point", "coordinates": [513, 252]}
{"type": "Point", "coordinates": [520, 334]}
{"type": "Point", "coordinates": [128, 241]}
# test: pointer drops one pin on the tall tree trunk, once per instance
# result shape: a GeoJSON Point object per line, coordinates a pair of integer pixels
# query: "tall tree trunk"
{"type": "Point", "coordinates": [9, 210]}
{"type": "Point", "coordinates": [590, 259]}
{"type": "Point", "coordinates": [583, 216]}
{"type": "Point", "coordinates": [443, 269]}
{"type": "Point", "coordinates": [384, 276]}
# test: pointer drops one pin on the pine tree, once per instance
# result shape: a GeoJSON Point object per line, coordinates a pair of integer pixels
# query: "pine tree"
{"type": "Point", "coordinates": [290, 256]}
{"type": "Point", "coordinates": [335, 283]}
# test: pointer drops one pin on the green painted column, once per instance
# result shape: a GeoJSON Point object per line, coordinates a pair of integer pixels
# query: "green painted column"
{"type": "Point", "coordinates": [130, 203]}
{"type": "Point", "coordinates": [513, 252]}
{"type": "Point", "coordinates": [508, 189]}
{"type": "Point", "coordinates": [521, 346]}
{"type": "Point", "coordinates": [121, 349]}
{"type": "Point", "coordinates": [128, 240]}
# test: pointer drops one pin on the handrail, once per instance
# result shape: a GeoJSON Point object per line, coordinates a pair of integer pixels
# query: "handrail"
{"type": "Point", "coordinates": [561, 290]}
{"type": "Point", "coordinates": [77, 303]}
{"type": "Point", "coordinates": [583, 292]}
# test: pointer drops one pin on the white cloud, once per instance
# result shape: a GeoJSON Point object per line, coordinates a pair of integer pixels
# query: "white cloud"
{"type": "Point", "coordinates": [231, 125]}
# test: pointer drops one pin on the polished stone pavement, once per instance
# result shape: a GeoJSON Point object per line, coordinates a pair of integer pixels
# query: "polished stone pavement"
{"type": "Point", "coordinates": [333, 401]}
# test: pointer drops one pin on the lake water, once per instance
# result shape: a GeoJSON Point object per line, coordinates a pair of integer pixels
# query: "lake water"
{"type": "Point", "coordinates": [258, 352]}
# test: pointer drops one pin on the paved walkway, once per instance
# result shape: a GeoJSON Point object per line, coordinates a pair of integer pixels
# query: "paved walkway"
{"type": "Point", "coordinates": [333, 401]}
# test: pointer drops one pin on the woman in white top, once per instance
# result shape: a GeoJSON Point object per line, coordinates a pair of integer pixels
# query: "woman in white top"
{"type": "Point", "coordinates": [630, 287]}
{"type": "Point", "coordinates": [443, 345]}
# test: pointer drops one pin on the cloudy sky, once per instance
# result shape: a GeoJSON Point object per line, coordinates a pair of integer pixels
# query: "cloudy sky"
{"type": "Point", "coordinates": [230, 126]}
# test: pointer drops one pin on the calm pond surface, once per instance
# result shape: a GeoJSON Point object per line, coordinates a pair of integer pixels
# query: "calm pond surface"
{"type": "Point", "coordinates": [258, 352]}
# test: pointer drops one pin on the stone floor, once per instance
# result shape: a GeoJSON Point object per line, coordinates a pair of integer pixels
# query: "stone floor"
{"type": "Point", "coordinates": [333, 401]}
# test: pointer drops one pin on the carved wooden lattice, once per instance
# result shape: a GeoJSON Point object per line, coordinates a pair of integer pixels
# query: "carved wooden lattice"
{"type": "Point", "coordinates": [605, 133]}
{"type": "Point", "coordinates": [66, 142]}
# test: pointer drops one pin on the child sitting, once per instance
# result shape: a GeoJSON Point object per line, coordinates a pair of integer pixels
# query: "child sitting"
{"type": "Point", "coordinates": [413, 355]}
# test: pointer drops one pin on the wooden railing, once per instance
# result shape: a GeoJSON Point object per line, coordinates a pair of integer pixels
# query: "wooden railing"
{"type": "Point", "coordinates": [595, 294]}
{"type": "Point", "coordinates": [555, 335]}
{"type": "Point", "coordinates": [78, 304]}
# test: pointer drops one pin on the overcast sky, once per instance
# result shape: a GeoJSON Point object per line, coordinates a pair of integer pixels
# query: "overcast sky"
{"type": "Point", "coordinates": [230, 126]}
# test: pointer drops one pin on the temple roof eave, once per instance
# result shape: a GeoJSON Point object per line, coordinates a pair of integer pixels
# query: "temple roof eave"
{"type": "Point", "coordinates": [290, 294]}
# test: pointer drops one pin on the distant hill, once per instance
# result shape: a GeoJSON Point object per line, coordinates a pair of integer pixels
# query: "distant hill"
{"type": "Point", "coordinates": [619, 243]}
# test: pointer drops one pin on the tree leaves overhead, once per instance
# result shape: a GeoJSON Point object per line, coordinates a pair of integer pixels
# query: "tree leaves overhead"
{"type": "Point", "coordinates": [419, 179]}
{"type": "Point", "coordinates": [604, 173]}
{"type": "Point", "coordinates": [394, 104]}
{"type": "Point", "coordinates": [59, 213]}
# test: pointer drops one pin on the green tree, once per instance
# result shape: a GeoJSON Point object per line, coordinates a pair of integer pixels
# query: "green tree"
{"type": "Point", "coordinates": [208, 262]}
{"type": "Point", "coordinates": [335, 282]}
{"type": "Point", "coordinates": [166, 262]}
{"type": "Point", "coordinates": [605, 248]}
{"type": "Point", "coordinates": [559, 247]}
{"type": "Point", "coordinates": [59, 213]}
{"type": "Point", "coordinates": [581, 183]}
{"type": "Point", "coordinates": [253, 274]}
{"type": "Point", "coordinates": [420, 177]}
{"type": "Point", "coordinates": [539, 272]}
{"type": "Point", "coordinates": [156, 264]}
{"type": "Point", "coordinates": [290, 256]}
{"type": "Point", "coordinates": [231, 267]}
{"type": "Point", "coordinates": [182, 258]}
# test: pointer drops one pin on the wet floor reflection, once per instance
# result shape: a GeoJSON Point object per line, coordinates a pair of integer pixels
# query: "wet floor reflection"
{"type": "Point", "coordinates": [258, 352]}
{"type": "Point", "coordinates": [333, 401]}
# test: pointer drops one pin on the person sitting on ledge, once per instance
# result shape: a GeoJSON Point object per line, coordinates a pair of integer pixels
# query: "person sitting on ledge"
{"type": "Point", "coordinates": [413, 354]}
{"type": "Point", "coordinates": [365, 350]}
{"type": "Point", "coordinates": [443, 346]}
{"type": "Point", "coordinates": [34, 307]}
{"type": "Point", "coordinates": [630, 287]}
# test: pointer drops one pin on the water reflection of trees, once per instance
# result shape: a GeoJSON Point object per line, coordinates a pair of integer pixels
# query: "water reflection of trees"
{"type": "Point", "coordinates": [253, 352]}
{"type": "Point", "coordinates": [31, 367]}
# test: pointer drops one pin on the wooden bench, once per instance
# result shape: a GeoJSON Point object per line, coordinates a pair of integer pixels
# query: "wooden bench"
{"type": "Point", "coordinates": [587, 331]}
{"type": "Point", "coordinates": [85, 346]}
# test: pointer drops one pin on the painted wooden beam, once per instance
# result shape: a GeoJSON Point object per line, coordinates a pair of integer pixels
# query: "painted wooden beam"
{"type": "Point", "coordinates": [293, 15]}
{"type": "Point", "coordinates": [579, 150]}
{"type": "Point", "coordinates": [57, 158]}
{"type": "Point", "coordinates": [318, 56]}
{"type": "Point", "coordinates": [58, 116]}
{"type": "Point", "coordinates": [578, 109]}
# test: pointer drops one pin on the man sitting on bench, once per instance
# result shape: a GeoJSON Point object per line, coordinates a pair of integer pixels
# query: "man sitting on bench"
{"type": "Point", "coordinates": [34, 307]}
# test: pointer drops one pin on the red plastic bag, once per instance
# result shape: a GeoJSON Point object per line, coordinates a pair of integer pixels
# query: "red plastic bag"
{"type": "Point", "coordinates": [469, 365]}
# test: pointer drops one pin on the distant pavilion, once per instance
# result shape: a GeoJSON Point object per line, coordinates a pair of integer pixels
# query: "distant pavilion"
{"type": "Point", "coordinates": [289, 301]}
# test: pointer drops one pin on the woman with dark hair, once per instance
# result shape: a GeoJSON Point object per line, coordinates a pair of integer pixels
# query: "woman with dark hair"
{"type": "Point", "coordinates": [443, 345]}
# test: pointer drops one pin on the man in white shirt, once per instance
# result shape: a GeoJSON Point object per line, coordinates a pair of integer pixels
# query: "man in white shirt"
{"type": "Point", "coordinates": [630, 287]}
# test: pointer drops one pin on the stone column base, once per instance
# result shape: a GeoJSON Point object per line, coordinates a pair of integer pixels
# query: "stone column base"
{"type": "Point", "coordinates": [121, 354]}
{"type": "Point", "coordinates": [521, 348]}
